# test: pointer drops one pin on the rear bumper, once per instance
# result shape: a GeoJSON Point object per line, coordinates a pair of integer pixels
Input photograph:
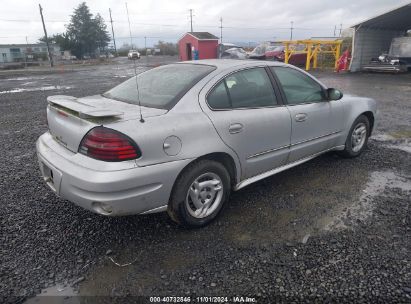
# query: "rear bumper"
{"type": "Point", "coordinates": [111, 192]}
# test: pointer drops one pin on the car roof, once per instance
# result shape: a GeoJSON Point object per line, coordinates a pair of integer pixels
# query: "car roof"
{"type": "Point", "coordinates": [226, 64]}
{"type": "Point", "coordinates": [221, 64]}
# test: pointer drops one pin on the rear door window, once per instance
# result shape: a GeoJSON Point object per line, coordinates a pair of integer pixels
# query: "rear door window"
{"type": "Point", "coordinates": [218, 99]}
{"type": "Point", "coordinates": [249, 88]}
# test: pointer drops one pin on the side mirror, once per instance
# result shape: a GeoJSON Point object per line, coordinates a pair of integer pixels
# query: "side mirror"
{"type": "Point", "coordinates": [334, 94]}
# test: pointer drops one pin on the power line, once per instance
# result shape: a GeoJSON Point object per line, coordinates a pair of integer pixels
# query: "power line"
{"type": "Point", "coordinates": [270, 28]}
{"type": "Point", "coordinates": [7, 37]}
{"type": "Point", "coordinates": [291, 29]}
{"type": "Point", "coordinates": [28, 20]}
{"type": "Point", "coordinates": [142, 37]}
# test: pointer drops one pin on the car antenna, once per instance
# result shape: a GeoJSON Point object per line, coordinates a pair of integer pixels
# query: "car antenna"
{"type": "Point", "coordinates": [135, 67]}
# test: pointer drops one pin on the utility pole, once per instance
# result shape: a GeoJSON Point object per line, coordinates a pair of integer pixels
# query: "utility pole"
{"type": "Point", "coordinates": [45, 35]}
{"type": "Point", "coordinates": [291, 30]}
{"type": "Point", "coordinates": [25, 53]}
{"type": "Point", "coordinates": [340, 29]}
{"type": "Point", "coordinates": [335, 29]}
{"type": "Point", "coordinates": [191, 19]}
{"type": "Point", "coordinates": [221, 29]}
{"type": "Point", "coordinates": [112, 30]}
{"type": "Point", "coordinates": [145, 47]}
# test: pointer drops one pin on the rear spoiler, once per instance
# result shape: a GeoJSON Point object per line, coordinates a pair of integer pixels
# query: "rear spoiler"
{"type": "Point", "coordinates": [72, 105]}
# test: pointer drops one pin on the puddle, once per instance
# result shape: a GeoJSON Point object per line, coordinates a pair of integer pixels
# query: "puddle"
{"type": "Point", "coordinates": [400, 140]}
{"type": "Point", "coordinates": [360, 210]}
{"type": "Point", "coordinates": [403, 147]}
{"type": "Point", "coordinates": [55, 295]}
{"type": "Point", "coordinates": [383, 137]}
{"type": "Point", "coordinates": [45, 88]}
{"type": "Point", "coordinates": [299, 204]}
{"type": "Point", "coordinates": [28, 83]}
{"type": "Point", "coordinates": [146, 269]}
{"type": "Point", "coordinates": [23, 78]}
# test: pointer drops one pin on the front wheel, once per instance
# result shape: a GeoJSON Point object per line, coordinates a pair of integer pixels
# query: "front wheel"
{"type": "Point", "coordinates": [357, 138]}
{"type": "Point", "coordinates": [199, 194]}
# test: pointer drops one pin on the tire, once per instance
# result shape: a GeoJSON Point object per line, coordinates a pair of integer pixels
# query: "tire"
{"type": "Point", "coordinates": [210, 176]}
{"type": "Point", "coordinates": [355, 146]}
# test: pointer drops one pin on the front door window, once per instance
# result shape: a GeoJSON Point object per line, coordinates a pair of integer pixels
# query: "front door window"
{"type": "Point", "coordinates": [298, 87]}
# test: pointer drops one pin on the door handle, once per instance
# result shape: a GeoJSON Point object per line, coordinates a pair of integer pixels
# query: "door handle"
{"type": "Point", "coordinates": [235, 128]}
{"type": "Point", "coordinates": [301, 117]}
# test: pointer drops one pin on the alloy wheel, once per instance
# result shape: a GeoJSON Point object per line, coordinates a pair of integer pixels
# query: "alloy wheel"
{"type": "Point", "coordinates": [358, 137]}
{"type": "Point", "coordinates": [204, 195]}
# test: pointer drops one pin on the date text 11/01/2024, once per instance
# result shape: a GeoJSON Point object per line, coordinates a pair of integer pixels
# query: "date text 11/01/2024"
{"type": "Point", "coordinates": [203, 299]}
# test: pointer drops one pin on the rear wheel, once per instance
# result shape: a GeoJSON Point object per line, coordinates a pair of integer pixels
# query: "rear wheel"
{"type": "Point", "coordinates": [357, 138]}
{"type": "Point", "coordinates": [199, 193]}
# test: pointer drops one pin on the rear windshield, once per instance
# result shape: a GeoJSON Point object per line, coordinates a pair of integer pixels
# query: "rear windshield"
{"type": "Point", "coordinates": [160, 87]}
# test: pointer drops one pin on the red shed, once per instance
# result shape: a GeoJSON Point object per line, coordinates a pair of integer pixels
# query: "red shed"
{"type": "Point", "coordinates": [198, 45]}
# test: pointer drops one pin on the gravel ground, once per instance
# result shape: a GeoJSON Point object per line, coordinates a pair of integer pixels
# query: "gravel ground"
{"type": "Point", "coordinates": [330, 230]}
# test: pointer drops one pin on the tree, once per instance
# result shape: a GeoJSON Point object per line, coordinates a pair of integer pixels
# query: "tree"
{"type": "Point", "coordinates": [50, 39]}
{"type": "Point", "coordinates": [62, 40]}
{"type": "Point", "coordinates": [85, 33]}
{"type": "Point", "coordinates": [125, 46]}
{"type": "Point", "coordinates": [102, 35]}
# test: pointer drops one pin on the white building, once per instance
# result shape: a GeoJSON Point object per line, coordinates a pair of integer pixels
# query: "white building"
{"type": "Point", "coordinates": [29, 52]}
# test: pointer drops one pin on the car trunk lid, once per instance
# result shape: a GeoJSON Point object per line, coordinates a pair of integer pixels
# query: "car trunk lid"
{"type": "Point", "coordinates": [70, 118]}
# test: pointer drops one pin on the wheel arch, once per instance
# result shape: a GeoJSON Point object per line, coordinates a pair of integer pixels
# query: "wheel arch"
{"type": "Point", "coordinates": [227, 161]}
{"type": "Point", "coordinates": [222, 157]}
{"type": "Point", "coordinates": [371, 119]}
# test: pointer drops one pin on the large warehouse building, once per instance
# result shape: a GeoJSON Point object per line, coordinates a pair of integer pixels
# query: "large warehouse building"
{"type": "Point", "coordinates": [373, 36]}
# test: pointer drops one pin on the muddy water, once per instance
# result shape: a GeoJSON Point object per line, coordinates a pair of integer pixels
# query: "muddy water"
{"type": "Point", "coordinates": [362, 208]}
{"type": "Point", "coordinates": [43, 88]}
{"type": "Point", "coordinates": [146, 270]}
{"type": "Point", "coordinates": [400, 140]}
{"type": "Point", "coordinates": [55, 295]}
{"type": "Point", "coordinates": [301, 213]}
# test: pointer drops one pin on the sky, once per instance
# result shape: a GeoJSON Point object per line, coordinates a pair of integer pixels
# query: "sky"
{"type": "Point", "coordinates": [167, 20]}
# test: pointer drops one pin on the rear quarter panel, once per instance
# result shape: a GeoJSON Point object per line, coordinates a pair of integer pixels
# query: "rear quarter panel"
{"type": "Point", "coordinates": [187, 123]}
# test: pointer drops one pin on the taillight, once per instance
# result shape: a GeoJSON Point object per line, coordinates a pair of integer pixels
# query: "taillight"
{"type": "Point", "coordinates": [108, 145]}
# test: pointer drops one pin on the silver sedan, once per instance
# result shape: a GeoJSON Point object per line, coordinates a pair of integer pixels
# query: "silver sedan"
{"type": "Point", "coordinates": [181, 137]}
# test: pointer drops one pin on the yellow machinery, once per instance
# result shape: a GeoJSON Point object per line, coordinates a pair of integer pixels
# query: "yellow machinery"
{"type": "Point", "coordinates": [312, 48]}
